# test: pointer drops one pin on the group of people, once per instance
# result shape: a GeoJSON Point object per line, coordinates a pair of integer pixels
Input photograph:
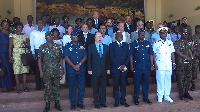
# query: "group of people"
{"type": "Point", "coordinates": [89, 52]}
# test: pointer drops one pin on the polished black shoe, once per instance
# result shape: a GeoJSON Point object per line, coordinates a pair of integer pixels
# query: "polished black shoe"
{"type": "Point", "coordinates": [187, 95]}
{"type": "Point", "coordinates": [97, 106]}
{"type": "Point", "coordinates": [57, 105]}
{"type": "Point", "coordinates": [73, 107]}
{"type": "Point", "coordinates": [136, 102]}
{"type": "Point", "coordinates": [147, 101]}
{"type": "Point", "coordinates": [116, 105]}
{"type": "Point", "coordinates": [103, 105]}
{"type": "Point", "coordinates": [47, 108]}
{"type": "Point", "coordinates": [193, 87]}
{"type": "Point", "coordinates": [124, 104]}
{"type": "Point", "coordinates": [181, 96]}
{"type": "Point", "coordinates": [81, 106]}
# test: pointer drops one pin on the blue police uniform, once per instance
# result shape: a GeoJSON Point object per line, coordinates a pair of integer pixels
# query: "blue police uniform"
{"type": "Point", "coordinates": [75, 53]}
{"type": "Point", "coordinates": [141, 64]}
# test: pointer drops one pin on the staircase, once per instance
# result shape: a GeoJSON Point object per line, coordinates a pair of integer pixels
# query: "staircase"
{"type": "Point", "coordinates": [33, 101]}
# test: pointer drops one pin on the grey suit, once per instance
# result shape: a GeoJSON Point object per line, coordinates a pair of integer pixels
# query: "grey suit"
{"type": "Point", "coordinates": [134, 36]}
{"type": "Point", "coordinates": [127, 37]}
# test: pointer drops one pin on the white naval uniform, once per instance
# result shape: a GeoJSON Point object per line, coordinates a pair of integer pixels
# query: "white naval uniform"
{"type": "Point", "coordinates": [163, 50]}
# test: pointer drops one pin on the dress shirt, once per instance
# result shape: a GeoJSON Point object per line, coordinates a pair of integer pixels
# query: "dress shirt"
{"type": "Point", "coordinates": [37, 38]}
{"type": "Point", "coordinates": [107, 40]}
{"type": "Point", "coordinates": [85, 35]}
{"type": "Point", "coordinates": [66, 39]}
{"type": "Point", "coordinates": [128, 26]}
{"type": "Point", "coordinates": [97, 46]}
{"type": "Point", "coordinates": [110, 31]}
{"type": "Point", "coordinates": [28, 29]}
{"type": "Point", "coordinates": [60, 28]}
{"type": "Point", "coordinates": [175, 37]}
{"type": "Point", "coordinates": [93, 30]}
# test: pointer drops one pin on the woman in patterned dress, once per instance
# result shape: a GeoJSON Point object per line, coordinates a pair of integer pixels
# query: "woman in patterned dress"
{"type": "Point", "coordinates": [6, 82]}
{"type": "Point", "coordinates": [18, 44]}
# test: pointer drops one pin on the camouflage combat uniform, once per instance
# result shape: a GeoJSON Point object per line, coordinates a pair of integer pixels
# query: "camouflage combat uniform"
{"type": "Point", "coordinates": [195, 62]}
{"type": "Point", "coordinates": [50, 55]}
{"type": "Point", "coordinates": [183, 69]}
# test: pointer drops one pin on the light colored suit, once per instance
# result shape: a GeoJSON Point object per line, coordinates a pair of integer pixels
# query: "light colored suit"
{"type": "Point", "coordinates": [126, 37]}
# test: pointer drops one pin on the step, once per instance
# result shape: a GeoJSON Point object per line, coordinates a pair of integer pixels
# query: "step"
{"type": "Point", "coordinates": [143, 107]}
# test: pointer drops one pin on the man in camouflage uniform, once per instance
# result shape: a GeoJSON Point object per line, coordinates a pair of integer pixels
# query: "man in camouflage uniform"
{"type": "Point", "coordinates": [183, 48]}
{"type": "Point", "coordinates": [51, 69]}
{"type": "Point", "coordinates": [195, 61]}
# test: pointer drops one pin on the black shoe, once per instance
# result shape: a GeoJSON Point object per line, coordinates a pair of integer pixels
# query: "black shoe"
{"type": "Point", "coordinates": [103, 105]}
{"type": "Point", "coordinates": [181, 95]}
{"type": "Point", "coordinates": [193, 87]}
{"type": "Point", "coordinates": [116, 104]}
{"type": "Point", "coordinates": [81, 106]}
{"type": "Point", "coordinates": [73, 107]}
{"type": "Point", "coordinates": [136, 102]}
{"type": "Point", "coordinates": [127, 83]}
{"type": "Point", "coordinates": [108, 84]}
{"type": "Point", "coordinates": [57, 105]}
{"type": "Point", "coordinates": [37, 88]}
{"type": "Point", "coordinates": [26, 89]}
{"type": "Point", "coordinates": [124, 104]}
{"type": "Point", "coordinates": [147, 101]}
{"type": "Point", "coordinates": [47, 108]}
{"type": "Point", "coordinates": [97, 106]}
{"type": "Point", "coordinates": [187, 95]}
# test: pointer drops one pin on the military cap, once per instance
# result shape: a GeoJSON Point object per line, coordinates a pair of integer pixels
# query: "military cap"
{"type": "Point", "coordinates": [163, 30]}
{"type": "Point", "coordinates": [47, 33]}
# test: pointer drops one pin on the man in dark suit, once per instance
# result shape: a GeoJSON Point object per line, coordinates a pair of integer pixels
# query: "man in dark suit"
{"type": "Point", "coordinates": [128, 26]}
{"type": "Point", "coordinates": [119, 56]}
{"type": "Point", "coordinates": [110, 30]}
{"type": "Point", "coordinates": [97, 22]}
{"type": "Point", "coordinates": [98, 65]}
{"type": "Point", "coordinates": [86, 38]}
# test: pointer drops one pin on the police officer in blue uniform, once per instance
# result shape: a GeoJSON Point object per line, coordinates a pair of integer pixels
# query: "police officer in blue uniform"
{"type": "Point", "coordinates": [75, 56]}
{"type": "Point", "coordinates": [141, 61]}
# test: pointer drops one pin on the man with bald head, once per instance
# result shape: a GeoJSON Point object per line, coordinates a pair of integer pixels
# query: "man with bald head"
{"type": "Point", "coordinates": [98, 65]}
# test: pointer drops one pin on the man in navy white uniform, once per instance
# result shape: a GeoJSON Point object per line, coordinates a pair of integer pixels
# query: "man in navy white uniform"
{"type": "Point", "coordinates": [164, 57]}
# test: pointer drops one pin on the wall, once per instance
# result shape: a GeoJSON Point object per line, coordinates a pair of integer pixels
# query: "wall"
{"type": "Point", "coordinates": [181, 8]}
{"type": "Point", "coordinates": [6, 5]}
{"type": "Point", "coordinates": [153, 11]}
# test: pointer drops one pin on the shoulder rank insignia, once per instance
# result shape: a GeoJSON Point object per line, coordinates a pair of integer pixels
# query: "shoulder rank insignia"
{"type": "Point", "coordinates": [81, 47]}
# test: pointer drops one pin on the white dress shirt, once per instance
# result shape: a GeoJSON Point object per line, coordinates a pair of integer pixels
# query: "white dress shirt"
{"type": "Point", "coordinates": [37, 38]}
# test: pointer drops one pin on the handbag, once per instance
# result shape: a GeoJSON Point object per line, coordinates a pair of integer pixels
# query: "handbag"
{"type": "Point", "coordinates": [27, 58]}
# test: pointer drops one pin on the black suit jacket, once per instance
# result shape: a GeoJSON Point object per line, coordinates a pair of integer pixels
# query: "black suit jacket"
{"type": "Point", "coordinates": [100, 22]}
{"type": "Point", "coordinates": [97, 65]}
{"type": "Point", "coordinates": [128, 30]}
{"type": "Point", "coordinates": [90, 39]}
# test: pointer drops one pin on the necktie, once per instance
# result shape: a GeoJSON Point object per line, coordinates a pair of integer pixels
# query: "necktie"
{"type": "Point", "coordinates": [100, 51]}
{"type": "Point", "coordinates": [85, 35]}
{"type": "Point", "coordinates": [120, 46]}
{"type": "Point", "coordinates": [96, 23]}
